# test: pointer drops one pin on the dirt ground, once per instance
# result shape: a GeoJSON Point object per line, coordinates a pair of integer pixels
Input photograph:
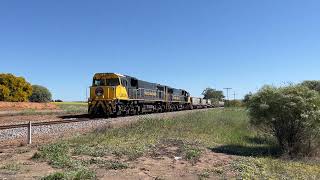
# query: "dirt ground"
{"type": "Point", "coordinates": [15, 106]}
{"type": "Point", "coordinates": [162, 166]}
{"type": "Point", "coordinates": [166, 166]}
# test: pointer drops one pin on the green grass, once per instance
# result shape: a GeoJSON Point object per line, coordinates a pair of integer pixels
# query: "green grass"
{"type": "Point", "coordinates": [28, 112]}
{"type": "Point", "coordinates": [220, 130]}
{"type": "Point", "coordinates": [270, 168]}
{"type": "Point", "coordinates": [192, 154]}
{"type": "Point", "coordinates": [90, 151]}
{"type": "Point", "coordinates": [56, 154]}
{"type": "Point", "coordinates": [204, 175]}
{"type": "Point", "coordinates": [12, 167]}
{"type": "Point", "coordinates": [70, 103]}
{"type": "Point", "coordinates": [73, 107]}
{"type": "Point", "coordinates": [207, 128]}
{"type": "Point", "coordinates": [80, 174]}
{"type": "Point", "coordinates": [63, 108]}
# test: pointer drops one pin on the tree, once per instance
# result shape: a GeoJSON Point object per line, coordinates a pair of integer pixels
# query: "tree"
{"type": "Point", "coordinates": [210, 93]}
{"type": "Point", "coordinates": [313, 84]}
{"type": "Point", "coordinates": [247, 97]}
{"type": "Point", "coordinates": [291, 114]}
{"type": "Point", "coordinates": [14, 89]}
{"type": "Point", "coordinates": [40, 94]}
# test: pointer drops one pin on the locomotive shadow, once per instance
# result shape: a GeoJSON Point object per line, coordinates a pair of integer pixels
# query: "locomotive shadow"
{"type": "Point", "coordinates": [78, 116]}
{"type": "Point", "coordinates": [87, 116]}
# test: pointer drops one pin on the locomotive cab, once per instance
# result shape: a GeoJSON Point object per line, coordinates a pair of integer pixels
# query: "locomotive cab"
{"type": "Point", "coordinates": [106, 90]}
{"type": "Point", "coordinates": [107, 86]}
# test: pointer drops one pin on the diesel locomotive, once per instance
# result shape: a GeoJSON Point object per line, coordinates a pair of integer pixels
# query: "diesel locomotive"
{"type": "Point", "coordinates": [113, 94]}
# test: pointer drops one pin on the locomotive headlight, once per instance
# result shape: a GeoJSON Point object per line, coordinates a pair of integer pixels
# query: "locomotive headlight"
{"type": "Point", "coordinates": [99, 91]}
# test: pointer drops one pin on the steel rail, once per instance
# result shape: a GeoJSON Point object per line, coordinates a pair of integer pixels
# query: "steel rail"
{"type": "Point", "coordinates": [14, 126]}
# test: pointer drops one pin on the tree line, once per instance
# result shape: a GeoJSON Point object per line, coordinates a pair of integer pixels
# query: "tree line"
{"type": "Point", "coordinates": [217, 96]}
{"type": "Point", "coordinates": [17, 89]}
{"type": "Point", "coordinates": [213, 94]}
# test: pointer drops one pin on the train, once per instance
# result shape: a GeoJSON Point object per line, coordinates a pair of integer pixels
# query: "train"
{"type": "Point", "coordinates": [113, 94]}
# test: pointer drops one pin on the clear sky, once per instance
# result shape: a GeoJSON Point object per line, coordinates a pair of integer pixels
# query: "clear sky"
{"type": "Point", "coordinates": [190, 44]}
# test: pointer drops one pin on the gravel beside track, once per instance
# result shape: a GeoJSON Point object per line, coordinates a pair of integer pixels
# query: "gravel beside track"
{"type": "Point", "coordinates": [56, 129]}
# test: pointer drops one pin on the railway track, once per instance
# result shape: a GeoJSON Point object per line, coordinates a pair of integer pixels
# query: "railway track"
{"type": "Point", "coordinates": [66, 119]}
{"type": "Point", "coordinates": [13, 126]}
{"type": "Point", "coordinates": [73, 124]}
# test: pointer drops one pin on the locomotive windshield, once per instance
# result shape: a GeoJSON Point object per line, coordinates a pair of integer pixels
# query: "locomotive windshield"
{"type": "Point", "coordinates": [112, 82]}
{"type": "Point", "coordinates": [99, 82]}
{"type": "Point", "coordinates": [106, 82]}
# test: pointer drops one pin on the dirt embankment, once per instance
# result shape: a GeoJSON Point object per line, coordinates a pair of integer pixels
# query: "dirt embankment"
{"type": "Point", "coordinates": [18, 106]}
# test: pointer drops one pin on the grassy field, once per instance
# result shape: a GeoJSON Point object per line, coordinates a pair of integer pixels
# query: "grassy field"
{"type": "Point", "coordinates": [62, 108]}
{"type": "Point", "coordinates": [73, 107]}
{"type": "Point", "coordinates": [225, 131]}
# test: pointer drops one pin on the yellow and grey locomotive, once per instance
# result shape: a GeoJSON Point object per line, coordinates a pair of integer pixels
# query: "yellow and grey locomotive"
{"type": "Point", "coordinates": [114, 94]}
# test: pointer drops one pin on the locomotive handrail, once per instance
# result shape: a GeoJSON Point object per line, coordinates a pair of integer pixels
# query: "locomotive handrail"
{"type": "Point", "coordinates": [140, 93]}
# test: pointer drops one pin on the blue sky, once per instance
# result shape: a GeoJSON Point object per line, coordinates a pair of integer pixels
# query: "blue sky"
{"type": "Point", "coordinates": [190, 44]}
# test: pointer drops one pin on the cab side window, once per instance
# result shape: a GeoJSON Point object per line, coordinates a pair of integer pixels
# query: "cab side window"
{"type": "Point", "coordinates": [134, 82]}
{"type": "Point", "coordinates": [124, 82]}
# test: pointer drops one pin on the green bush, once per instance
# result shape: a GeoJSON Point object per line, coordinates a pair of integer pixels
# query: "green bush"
{"type": "Point", "coordinates": [291, 114]}
{"type": "Point", "coordinates": [313, 84]}
{"type": "Point", "coordinates": [14, 89]}
{"type": "Point", "coordinates": [79, 174]}
{"type": "Point", "coordinates": [55, 176]}
{"type": "Point", "coordinates": [246, 98]}
{"type": "Point", "coordinates": [40, 94]}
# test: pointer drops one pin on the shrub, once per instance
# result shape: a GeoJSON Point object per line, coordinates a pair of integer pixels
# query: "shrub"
{"type": "Point", "coordinates": [14, 89]}
{"type": "Point", "coordinates": [193, 154]}
{"type": "Point", "coordinates": [291, 114]}
{"type": "Point", "coordinates": [246, 98]}
{"type": "Point", "coordinates": [313, 84]}
{"type": "Point", "coordinates": [55, 176]}
{"type": "Point", "coordinates": [78, 174]}
{"type": "Point", "coordinates": [40, 94]}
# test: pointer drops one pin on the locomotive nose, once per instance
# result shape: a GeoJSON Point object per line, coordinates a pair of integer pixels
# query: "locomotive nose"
{"type": "Point", "coordinates": [99, 91]}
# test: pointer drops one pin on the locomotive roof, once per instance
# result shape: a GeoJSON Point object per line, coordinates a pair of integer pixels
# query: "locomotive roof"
{"type": "Point", "coordinates": [121, 75]}
{"type": "Point", "coordinates": [110, 73]}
